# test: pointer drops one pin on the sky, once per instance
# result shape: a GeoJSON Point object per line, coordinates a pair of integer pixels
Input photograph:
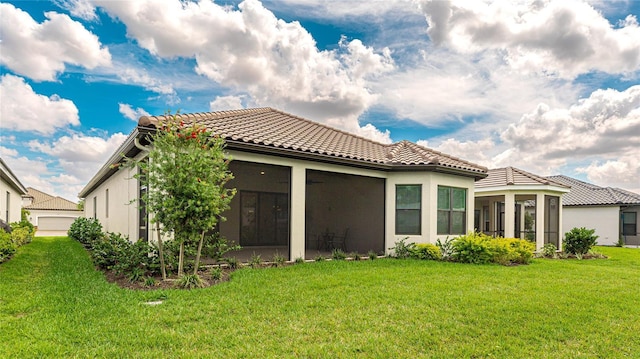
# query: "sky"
{"type": "Point", "coordinates": [550, 87]}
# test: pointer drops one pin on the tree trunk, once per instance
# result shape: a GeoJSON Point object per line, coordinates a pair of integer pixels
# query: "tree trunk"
{"type": "Point", "coordinates": [181, 260]}
{"type": "Point", "coordinates": [163, 270]}
{"type": "Point", "coordinates": [197, 264]}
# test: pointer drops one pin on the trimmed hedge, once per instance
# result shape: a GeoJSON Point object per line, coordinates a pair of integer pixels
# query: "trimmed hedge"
{"type": "Point", "coordinates": [480, 248]}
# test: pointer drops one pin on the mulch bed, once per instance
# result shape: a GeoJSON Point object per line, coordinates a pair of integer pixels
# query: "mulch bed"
{"type": "Point", "coordinates": [158, 283]}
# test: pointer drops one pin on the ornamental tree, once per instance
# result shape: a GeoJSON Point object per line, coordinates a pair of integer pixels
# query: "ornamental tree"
{"type": "Point", "coordinates": [186, 171]}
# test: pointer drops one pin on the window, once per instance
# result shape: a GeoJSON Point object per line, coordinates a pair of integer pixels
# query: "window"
{"type": "Point", "coordinates": [408, 209]}
{"type": "Point", "coordinates": [629, 223]}
{"type": "Point", "coordinates": [8, 205]}
{"type": "Point", "coordinates": [452, 210]}
{"type": "Point", "coordinates": [106, 203]}
{"type": "Point", "coordinates": [95, 206]}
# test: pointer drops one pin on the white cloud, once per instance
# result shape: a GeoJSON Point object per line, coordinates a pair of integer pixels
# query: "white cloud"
{"type": "Point", "coordinates": [22, 109]}
{"type": "Point", "coordinates": [448, 87]}
{"type": "Point", "coordinates": [133, 114]}
{"type": "Point", "coordinates": [623, 172]}
{"type": "Point", "coordinates": [602, 130]}
{"type": "Point", "coordinates": [277, 63]}
{"type": "Point", "coordinates": [564, 38]}
{"type": "Point", "coordinates": [40, 51]}
{"type": "Point", "coordinates": [222, 103]}
{"type": "Point", "coordinates": [79, 155]}
{"type": "Point", "coordinates": [79, 8]}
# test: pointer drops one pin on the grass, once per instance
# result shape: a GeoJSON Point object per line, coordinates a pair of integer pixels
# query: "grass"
{"type": "Point", "coordinates": [54, 304]}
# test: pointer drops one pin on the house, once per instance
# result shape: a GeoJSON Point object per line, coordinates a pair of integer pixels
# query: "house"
{"type": "Point", "coordinates": [502, 199]}
{"type": "Point", "coordinates": [11, 191]}
{"type": "Point", "coordinates": [612, 212]}
{"type": "Point", "coordinates": [302, 184]}
{"type": "Point", "coordinates": [52, 216]}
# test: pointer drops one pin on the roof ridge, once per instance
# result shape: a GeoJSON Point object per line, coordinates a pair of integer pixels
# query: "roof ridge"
{"type": "Point", "coordinates": [448, 156]}
{"type": "Point", "coordinates": [577, 181]}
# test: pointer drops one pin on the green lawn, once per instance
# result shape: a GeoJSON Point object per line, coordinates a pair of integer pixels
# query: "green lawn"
{"type": "Point", "coordinates": [54, 304]}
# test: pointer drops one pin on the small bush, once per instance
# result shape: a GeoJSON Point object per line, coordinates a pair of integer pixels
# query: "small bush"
{"type": "Point", "coordinates": [216, 273]}
{"type": "Point", "coordinates": [319, 258]}
{"type": "Point", "coordinates": [114, 252]}
{"type": "Point", "coordinates": [427, 251]}
{"type": "Point", "coordinates": [299, 260]}
{"type": "Point", "coordinates": [233, 262]}
{"type": "Point", "coordinates": [479, 248]}
{"type": "Point", "coordinates": [278, 260]}
{"type": "Point", "coordinates": [190, 281]}
{"type": "Point", "coordinates": [579, 241]}
{"type": "Point", "coordinates": [402, 249]}
{"type": "Point", "coordinates": [85, 230]}
{"type": "Point", "coordinates": [549, 250]}
{"type": "Point", "coordinates": [472, 248]}
{"type": "Point", "coordinates": [21, 236]}
{"type": "Point", "coordinates": [7, 247]}
{"type": "Point", "coordinates": [372, 255]}
{"type": "Point", "coordinates": [338, 254]}
{"type": "Point", "coordinates": [255, 260]}
{"type": "Point", "coordinates": [356, 256]}
{"type": "Point", "coordinates": [446, 248]}
{"type": "Point", "coordinates": [149, 282]}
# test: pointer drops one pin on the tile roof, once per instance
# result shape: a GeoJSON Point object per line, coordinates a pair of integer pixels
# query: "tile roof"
{"type": "Point", "coordinates": [587, 194]}
{"type": "Point", "coordinates": [41, 200]}
{"type": "Point", "coordinates": [511, 176]}
{"type": "Point", "coordinates": [275, 129]}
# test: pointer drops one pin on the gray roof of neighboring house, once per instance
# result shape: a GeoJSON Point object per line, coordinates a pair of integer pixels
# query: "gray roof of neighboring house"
{"type": "Point", "coordinates": [43, 201]}
{"type": "Point", "coordinates": [276, 129]}
{"type": "Point", "coordinates": [511, 176]}
{"type": "Point", "coordinates": [587, 194]}
{"type": "Point", "coordinates": [7, 175]}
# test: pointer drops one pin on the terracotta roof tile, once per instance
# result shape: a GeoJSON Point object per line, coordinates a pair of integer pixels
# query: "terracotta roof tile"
{"type": "Point", "coordinates": [41, 200]}
{"type": "Point", "coordinates": [510, 176]}
{"type": "Point", "coordinates": [277, 129]}
{"type": "Point", "coordinates": [587, 194]}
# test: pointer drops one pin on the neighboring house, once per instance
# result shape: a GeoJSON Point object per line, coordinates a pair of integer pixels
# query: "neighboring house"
{"type": "Point", "coordinates": [52, 216]}
{"type": "Point", "coordinates": [301, 183]}
{"type": "Point", "coordinates": [612, 212]}
{"type": "Point", "coordinates": [535, 202]}
{"type": "Point", "coordinates": [11, 192]}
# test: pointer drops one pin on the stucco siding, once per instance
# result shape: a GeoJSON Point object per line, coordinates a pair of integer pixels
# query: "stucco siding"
{"type": "Point", "coordinates": [604, 219]}
{"type": "Point", "coordinates": [112, 206]}
{"type": "Point", "coordinates": [11, 213]}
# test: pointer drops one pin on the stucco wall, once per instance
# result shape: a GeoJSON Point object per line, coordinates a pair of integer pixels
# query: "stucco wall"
{"type": "Point", "coordinates": [429, 217]}
{"type": "Point", "coordinates": [604, 219]}
{"type": "Point", "coordinates": [15, 202]}
{"type": "Point", "coordinates": [121, 215]}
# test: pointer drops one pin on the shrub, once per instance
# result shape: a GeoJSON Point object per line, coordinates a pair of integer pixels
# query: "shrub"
{"type": "Point", "coordinates": [479, 248]}
{"type": "Point", "coordinates": [85, 230]}
{"type": "Point", "coordinates": [427, 251]}
{"type": "Point", "coordinates": [356, 256]}
{"type": "Point", "coordinates": [190, 281]}
{"type": "Point", "coordinates": [278, 259]}
{"type": "Point", "coordinates": [579, 241]}
{"type": "Point", "coordinates": [472, 248]}
{"type": "Point", "coordinates": [7, 247]}
{"type": "Point", "coordinates": [134, 260]}
{"type": "Point", "coordinates": [402, 249]}
{"type": "Point", "coordinates": [338, 254]}
{"type": "Point", "coordinates": [233, 262]}
{"type": "Point", "coordinates": [446, 248]}
{"type": "Point", "coordinates": [549, 250]}
{"type": "Point", "coordinates": [372, 255]}
{"type": "Point", "coordinates": [216, 273]}
{"type": "Point", "coordinates": [255, 260]}
{"type": "Point", "coordinates": [21, 236]}
{"type": "Point", "coordinates": [299, 260]}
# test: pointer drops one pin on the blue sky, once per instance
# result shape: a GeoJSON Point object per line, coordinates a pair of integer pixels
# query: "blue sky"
{"type": "Point", "coordinates": [551, 87]}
